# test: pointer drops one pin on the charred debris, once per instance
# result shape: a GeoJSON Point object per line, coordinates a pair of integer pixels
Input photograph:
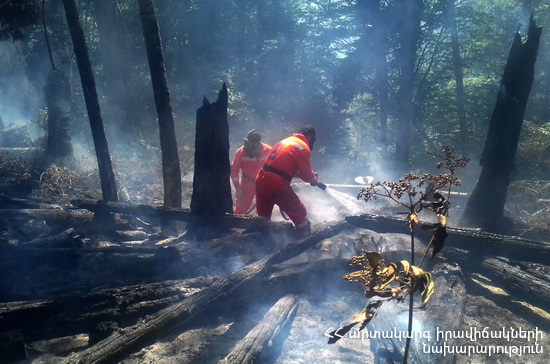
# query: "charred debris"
{"type": "Point", "coordinates": [85, 281]}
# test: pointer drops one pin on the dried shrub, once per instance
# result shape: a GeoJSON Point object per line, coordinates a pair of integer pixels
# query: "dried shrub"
{"type": "Point", "coordinates": [15, 174]}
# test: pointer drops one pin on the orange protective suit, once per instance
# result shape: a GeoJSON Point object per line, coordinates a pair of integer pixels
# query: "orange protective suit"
{"type": "Point", "coordinates": [288, 159]}
{"type": "Point", "coordinates": [244, 181]}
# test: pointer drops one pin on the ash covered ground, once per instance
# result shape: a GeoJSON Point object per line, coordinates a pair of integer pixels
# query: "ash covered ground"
{"type": "Point", "coordinates": [470, 297]}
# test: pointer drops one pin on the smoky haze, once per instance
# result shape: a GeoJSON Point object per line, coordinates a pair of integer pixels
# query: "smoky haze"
{"type": "Point", "coordinates": [285, 65]}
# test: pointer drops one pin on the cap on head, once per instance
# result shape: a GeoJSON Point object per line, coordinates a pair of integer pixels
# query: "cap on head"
{"type": "Point", "coordinates": [253, 137]}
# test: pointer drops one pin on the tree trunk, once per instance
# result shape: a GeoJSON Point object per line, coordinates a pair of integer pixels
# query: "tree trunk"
{"type": "Point", "coordinates": [106, 174]}
{"type": "Point", "coordinates": [57, 91]}
{"type": "Point", "coordinates": [372, 16]}
{"type": "Point", "coordinates": [485, 207]}
{"type": "Point", "coordinates": [408, 39]}
{"type": "Point", "coordinates": [457, 65]}
{"type": "Point", "coordinates": [211, 188]}
{"type": "Point", "coordinates": [169, 146]}
{"type": "Point", "coordinates": [115, 79]}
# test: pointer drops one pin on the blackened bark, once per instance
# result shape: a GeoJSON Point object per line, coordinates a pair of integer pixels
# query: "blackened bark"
{"type": "Point", "coordinates": [485, 207]}
{"type": "Point", "coordinates": [169, 146]}
{"type": "Point", "coordinates": [211, 188]}
{"type": "Point", "coordinates": [57, 91]}
{"type": "Point", "coordinates": [106, 174]}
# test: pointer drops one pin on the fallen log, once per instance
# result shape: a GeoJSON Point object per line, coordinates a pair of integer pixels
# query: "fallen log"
{"type": "Point", "coordinates": [477, 242]}
{"type": "Point", "coordinates": [183, 214]}
{"type": "Point", "coordinates": [517, 280]}
{"type": "Point", "coordinates": [264, 334]}
{"type": "Point", "coordinates": [68, 315]}
{"type": "Point", "coordinates": [121, 342]}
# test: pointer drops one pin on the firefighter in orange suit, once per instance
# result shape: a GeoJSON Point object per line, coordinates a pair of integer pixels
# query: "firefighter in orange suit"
{"type": "Point", "coordinates": [248, 160]}
{"type": "Point", "coordinates": [288, 159]}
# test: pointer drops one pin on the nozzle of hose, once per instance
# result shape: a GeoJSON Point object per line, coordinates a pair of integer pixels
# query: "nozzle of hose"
{"type": "Point", "coordinates": [321, 185]}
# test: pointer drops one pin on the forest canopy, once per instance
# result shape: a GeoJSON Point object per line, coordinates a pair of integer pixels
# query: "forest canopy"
{"type": "Point", "coordinates": [381, 81]}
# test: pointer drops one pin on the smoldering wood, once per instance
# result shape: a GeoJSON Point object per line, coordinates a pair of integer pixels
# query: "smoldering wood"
{"type": "Point", "coordinates": [514, 278]}
{"type": "Point", "coordinates": [211, 182]}
{"type": "Point", "coordinates": [71, 314]}
{"type": "Point", "coordinates": [475, 241]}
{"type": "Point", "coordinates": [485, 206]}
{"type": "Point", "coordinates": [176, 315]}
{"type": "Point", "coordinates": [264, 334]}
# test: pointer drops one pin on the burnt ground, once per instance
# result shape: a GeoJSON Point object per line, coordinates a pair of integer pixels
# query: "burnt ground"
{"type": "Point", "coordinates": [69, 281]}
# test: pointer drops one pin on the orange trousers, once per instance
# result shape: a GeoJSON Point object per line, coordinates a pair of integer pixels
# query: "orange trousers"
{"type": "Point", "coordinates": [242, 205]}
{"type": "Point", "coordinates": [273, 190]}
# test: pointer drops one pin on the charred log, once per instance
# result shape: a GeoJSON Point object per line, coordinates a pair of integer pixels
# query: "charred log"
{"type": "Point", "coordinates": [183, 214]}
{"type": "Point", "coordinates": [177, 315]}
{"type": "Point", "coordinates": [71, 314]}
{"type": "Point", "coordinates": [519, 281]}
{"type": "Point", "coordinates": [478, 243]}
{"type": "Point", "coordinates": [263, 336]}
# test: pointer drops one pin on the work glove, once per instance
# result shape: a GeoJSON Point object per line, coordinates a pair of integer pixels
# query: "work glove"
{"type": "Point", "coordinates": [314, 183]}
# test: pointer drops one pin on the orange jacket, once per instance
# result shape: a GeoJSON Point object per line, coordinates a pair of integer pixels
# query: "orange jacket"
{"type": "Point", "coordinates": [249, 166]}
{"type": "Point", "coordinates": [291, 156]}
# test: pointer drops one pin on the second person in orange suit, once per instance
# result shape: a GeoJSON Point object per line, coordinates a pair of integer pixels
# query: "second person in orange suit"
{"type": "Point", "coordinates": [288, 159]}
{"type": "Point", "coordinates": [247, 162]}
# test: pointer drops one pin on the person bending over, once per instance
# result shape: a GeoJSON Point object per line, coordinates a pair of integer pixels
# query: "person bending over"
{"type": "Point", "coordinates": [288, 159]}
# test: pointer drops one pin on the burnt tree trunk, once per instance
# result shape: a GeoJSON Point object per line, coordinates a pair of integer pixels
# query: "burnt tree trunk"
{"type": "Point", "coordinates": [485, 207]}
{"type": "Point", "coordinates": [211, 188]}
{"type": "Point", "coordinates": [106, 175]}
{"type": "Point", "coordinates": [169, 146]}
{"type": "Point", "coordinates": [57, 91]}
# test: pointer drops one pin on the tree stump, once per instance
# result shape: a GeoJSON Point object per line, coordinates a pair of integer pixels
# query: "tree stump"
{"type": "Point", "coordinates": [211, 188]}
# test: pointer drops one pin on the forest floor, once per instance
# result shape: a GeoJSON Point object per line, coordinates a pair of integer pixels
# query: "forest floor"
{"type": "Point", "coordinates": [92, 283]}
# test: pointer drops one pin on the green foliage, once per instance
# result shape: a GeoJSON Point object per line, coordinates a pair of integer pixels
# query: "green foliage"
{"type": "Point", "coordinates": [290, 61]}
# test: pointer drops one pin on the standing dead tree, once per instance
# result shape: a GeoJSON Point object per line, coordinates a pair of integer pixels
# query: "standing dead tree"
{"type": "Point", "coordinates": [485, 207]}
{"type": "Point", "coordinates": [211, 188]}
